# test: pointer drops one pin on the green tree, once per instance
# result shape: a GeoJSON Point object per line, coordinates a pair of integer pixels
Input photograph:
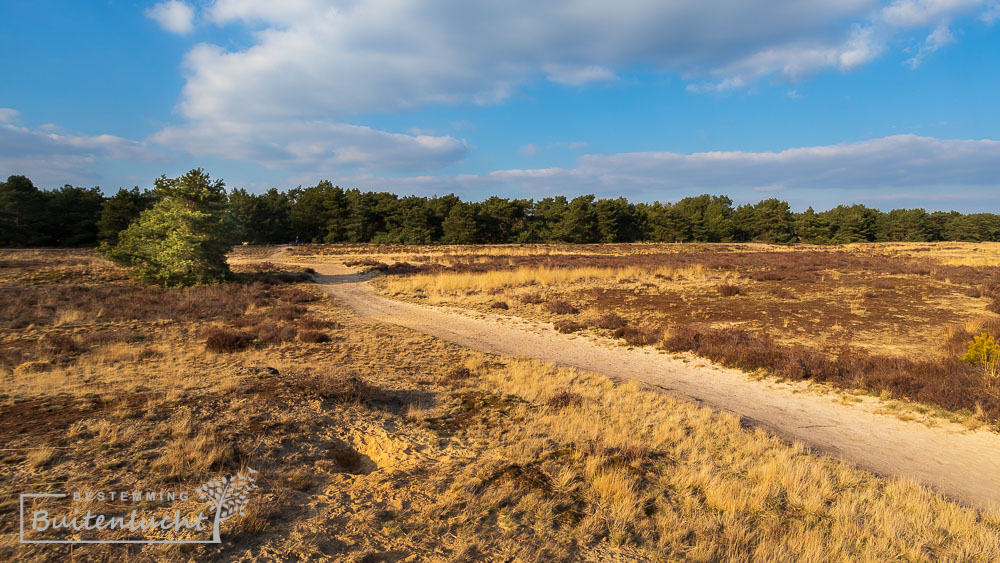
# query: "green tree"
{"type": "Point", "coordinates": [459, 226]}
{"type": "Point", "coordinates": [22, 213]}
{"type": "Point", "coordinates": [812, 227]}
{"type": "Point", "coordinates": [183, 239]}
{"type": "Point", "coordinates": [578, 223]}
{"type": "Point", "coordinates": [769, 220]}
{"type": "Point", "coordinates": [119, 210]}
{"type": "Point", "coordinates": [617, 221]}
{"type": "Point", "coordinates": [72, 215]}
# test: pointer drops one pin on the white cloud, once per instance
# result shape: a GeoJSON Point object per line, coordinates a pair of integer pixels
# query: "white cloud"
{"type": "Point", "coordinates": [314, 66]}
{"type": "Point", "coordinates": [8, 115]}
{"type": "Point", "coordinates": [56, 158]}
{"type": "Point", "coordinates": [938, 38]}
{"type": "Point", "coordinates": [902, 164]}
{"type": "Point", "coordinates": [923, 13]}
{"type": "Point", "coordinates": [348, 56]}
{"type": "Point", "coordinates": [173, 15]}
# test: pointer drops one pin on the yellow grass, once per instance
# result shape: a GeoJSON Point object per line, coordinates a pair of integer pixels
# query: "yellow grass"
{"type": "Point", "coordinates": [485, 468]}
{"type": "Point", "coordinates": [488, 281]}
{"type": "Point", "coordinates": [720, 485]}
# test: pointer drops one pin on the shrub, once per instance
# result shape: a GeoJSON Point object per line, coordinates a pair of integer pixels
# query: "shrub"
{"type": "Point", "coordinates": [313, 336]}
{"type": "Point", "coordinates": [610, 321]}
{"type": "Point", "coordinates": [224, 340]}
{"type": "Point", "coordinates": [641, 336]}
{"type": "Point", "coordinates": [499, 305]}
{"type": "Point", "coordinates": [272, 333]}
{"type": "Point", "coordinates": [951, 384]}
{"type": "Point", "coordinates": [567, 327]}
{"type": "Point", "coordinates": [288, 312]}
{"type": "Point", "coordinates": [560, 307]}
{"type": "Point", "coordinates": [983, 349]}
{"type": "Point", "coordinates": [565, 399]}
{"type": "Point", "coordinates": [782, 293]}
{"type": "Point", "coordinates": [728, 290]}
{"type": "Point", "coordinates": [532, 299]}
{"type": "Point", "coordinates": [312, 323]}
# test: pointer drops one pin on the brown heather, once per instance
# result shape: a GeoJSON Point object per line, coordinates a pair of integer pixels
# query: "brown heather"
{"type": "Point", "coordinates": [386, 444]}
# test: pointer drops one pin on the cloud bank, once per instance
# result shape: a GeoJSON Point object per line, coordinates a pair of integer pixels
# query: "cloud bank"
{"type": "Point", "coordinates": [315, 66]}
{"type": "Point", "coordinates": [866, 170]}
{"type": "Point", "coordinates": [50, 158]}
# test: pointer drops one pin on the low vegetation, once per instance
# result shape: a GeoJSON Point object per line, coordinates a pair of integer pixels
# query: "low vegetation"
{"type": "Point", "coordinates": [382, 443]}
{"type": "Point", "coordinates": [892, 320]}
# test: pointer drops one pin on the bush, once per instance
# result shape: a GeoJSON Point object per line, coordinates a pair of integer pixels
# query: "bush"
{"type": "Point", "coordinates": [560, 307]}
{"type": "Point", "coordinates": [288, 312]}
{"type": "Point", "coordinates": [565, 399]}
{"type": "Point", "coordinates": [610, 321]}
{"type": "Point", "coordinates": [728, 290]}
{"type": "Point", "coordinates": [343, 387]}
{"type": "Point", "coordinates": [313, 336]}
{"type": "Point", "coordinates": [567, 327]}
{"type": "Point", "coordinates": [224, 340]}
{"type": "Point", "coordinates": [982, 350]}
{"type": "Point", "coordinates": [272, 333]}
{"type": "Point", "coordinates": [639, 336]}
{"type": "Point", "coordinates": [782, 293]}
{"type": "Point", "coordinates": [499, 305]}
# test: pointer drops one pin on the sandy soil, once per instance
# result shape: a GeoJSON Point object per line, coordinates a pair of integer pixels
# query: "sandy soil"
{"type": "Point", "coordinates": [960, 463]}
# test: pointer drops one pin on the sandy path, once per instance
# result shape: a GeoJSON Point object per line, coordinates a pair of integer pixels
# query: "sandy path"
{"type": "Point", "coordinates": [960, 463]}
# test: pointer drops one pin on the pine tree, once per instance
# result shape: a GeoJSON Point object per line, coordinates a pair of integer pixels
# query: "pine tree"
{"type": "Point", "coordinates": [183, 239]}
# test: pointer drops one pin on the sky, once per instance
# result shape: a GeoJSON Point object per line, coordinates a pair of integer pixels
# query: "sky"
{"type": "Point", "coordinates": [819, 103]}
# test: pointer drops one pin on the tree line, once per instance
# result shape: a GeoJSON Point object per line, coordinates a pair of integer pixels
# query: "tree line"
{"type": "Point", "coordinates": [74, 216]}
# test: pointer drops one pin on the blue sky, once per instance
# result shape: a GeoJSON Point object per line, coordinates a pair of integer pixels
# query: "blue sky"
{"type": "Point", "coordinates": [892, 104]}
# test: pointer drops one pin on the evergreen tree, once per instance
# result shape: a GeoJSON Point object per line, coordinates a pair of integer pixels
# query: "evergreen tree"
{"type": "Point", "coordinates": [183, 239]}
{"type": "Point", "coordinates": [72, 215]}
{"type": "Point", "coordinates": [22, 213]}
{"type": "Point", "coordinates": [617, 221]}
{"type": "Point", "coordinates": [578, 223]}
{"type": "Point", "coordinates": [119, 210]}
{"type": "Point", "coordinates": [769, 220]}
{"type": "Point", "coordinates": [812, 228]}
{"type": "Point", "coordinates": [460, 225]}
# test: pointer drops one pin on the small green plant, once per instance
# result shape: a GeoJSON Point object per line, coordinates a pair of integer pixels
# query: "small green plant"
{"type": "Point", "coordinates": [984, 350]}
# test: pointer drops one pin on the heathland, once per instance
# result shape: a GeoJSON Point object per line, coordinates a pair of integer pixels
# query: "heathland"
{"type": "Point", "coordinates": [375, 442]}
{"type": "Point", "coordinates": [892, 320]}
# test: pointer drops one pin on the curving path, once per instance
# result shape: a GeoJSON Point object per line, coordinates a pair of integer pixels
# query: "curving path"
{"type": "Point", "coordinates": [962, 464]}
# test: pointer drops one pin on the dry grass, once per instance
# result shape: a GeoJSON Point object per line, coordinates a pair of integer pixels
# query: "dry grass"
{"type": "Point", "coordinates": [494, 280]}
{"type": "Point", "coordinates": [893, 315]}
{"type": "Point", "coordinates": [384, 444]}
